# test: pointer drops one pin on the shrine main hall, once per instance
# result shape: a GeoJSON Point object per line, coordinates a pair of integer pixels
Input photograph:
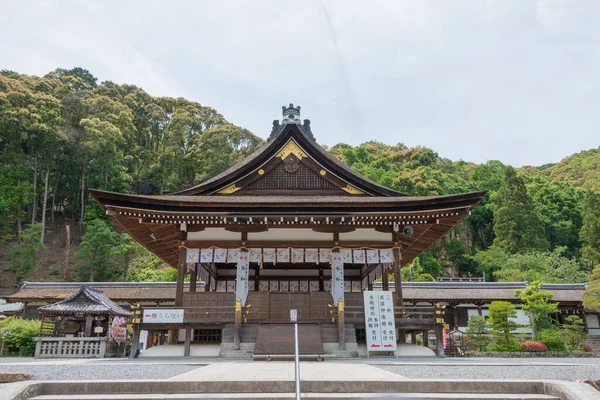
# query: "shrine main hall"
{"type": "Point", "coordinates": [289, 228]}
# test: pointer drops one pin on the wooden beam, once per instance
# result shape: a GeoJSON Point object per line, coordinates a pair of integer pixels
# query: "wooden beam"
{"type": "Point", "coordinates": [287, 243]}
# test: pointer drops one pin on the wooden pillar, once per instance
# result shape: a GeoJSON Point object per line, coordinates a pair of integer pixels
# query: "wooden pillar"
{"type": "Point", "coordinates": [149, 339]}
{"type": "Point", "coordinates": [384, 281]}
{"type": "Point", "coordinates": [238, 324]}
{"type": "Point", "coordinates": [208, 283]}
{"type": "Point", "coordinates": [88, 325]}
{"type": "Point", "coordinates": [454, 316]}
{"type": "Point", "coordinates": [426, 338]}
{"type": "Point", "coordinates": [413, 337]}
{"type": "Point", "coordinates": [162, 338]}
{"type": "Point", "coordinates": [321, 280]}
{"type": "Point", "coordinates": [256, 279]}
{"type": "Point", "coordinates": [341, 326]}
{"type": "Point", "coordinates": [440, 341]}
{"type": "Point", "coordinates": [479, 310]}
{"type": "Point", "coordinates": [174, 333]}
{"type": "Point", "coordinates": [188, 339]}
{"type": "Point", "coordinates": [180, 269]}
{"type": "Point", "coordinates": [194, 278]}
{"type": "Point", "coordinates": [398, 273]}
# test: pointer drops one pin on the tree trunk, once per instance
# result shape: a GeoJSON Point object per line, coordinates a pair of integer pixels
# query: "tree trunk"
{"type": "Point", "coordinates": [34, 205]}
{"type": "Point", "coordinates": [82, 201]}
{"type": "Point", "coordinates": [67, 251]}
{"type": "Point", "coordinates": [126, 271]}
{"type": "Point", "coordinates": [19, 223]}
{"type": "Point", "coordinates": [54, 199]}
{"type": "Point", "coordinates": [91, 276]}
{"type": "Point", "coordinates": [45, 203]}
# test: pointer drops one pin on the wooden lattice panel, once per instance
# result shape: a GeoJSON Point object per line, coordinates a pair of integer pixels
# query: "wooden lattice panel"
{"type": "Point", "coordinates": [294, 175]}
{"type": "Point", "coordinates": [259, 310]}
{"type": "Point", "coordinates": [208, 306]}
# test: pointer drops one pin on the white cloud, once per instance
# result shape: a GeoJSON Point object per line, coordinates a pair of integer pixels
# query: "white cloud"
{"type": "Point", "coordinates": [511, 80]}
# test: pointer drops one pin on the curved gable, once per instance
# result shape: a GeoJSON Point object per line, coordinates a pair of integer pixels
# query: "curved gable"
{"type": "Point", "coordinates": [291, 163]}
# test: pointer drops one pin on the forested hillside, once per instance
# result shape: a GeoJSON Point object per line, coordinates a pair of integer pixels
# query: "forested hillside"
{"type": "Point", "coordinates": [65, 133]}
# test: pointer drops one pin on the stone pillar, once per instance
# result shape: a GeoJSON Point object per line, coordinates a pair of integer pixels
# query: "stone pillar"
{"type": "Point", "coordinates": [135, 339]}
{"type": "Point", "coordinates": [440, 341]}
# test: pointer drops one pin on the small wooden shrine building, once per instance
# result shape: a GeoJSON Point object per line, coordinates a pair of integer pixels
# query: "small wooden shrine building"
{"type": "Point", "coordinates": [290, 227]}
{"type": "Point", "coordinates": [79, 325]}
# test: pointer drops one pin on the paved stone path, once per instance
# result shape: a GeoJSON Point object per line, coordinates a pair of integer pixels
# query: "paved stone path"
{"type": "Point", "coordinates": [285, 371]}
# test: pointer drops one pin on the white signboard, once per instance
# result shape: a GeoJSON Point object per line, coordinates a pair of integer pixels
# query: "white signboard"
{"type": "Point", "coordinates": [293, 315]}
{"type": "Point", "coordinates": [380, 326]}
{"type": "Point", "coordinates": [162, 315]}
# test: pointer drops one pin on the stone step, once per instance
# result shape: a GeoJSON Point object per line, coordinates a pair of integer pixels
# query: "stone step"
{"type": "Point", "coordinates": [314, 396]}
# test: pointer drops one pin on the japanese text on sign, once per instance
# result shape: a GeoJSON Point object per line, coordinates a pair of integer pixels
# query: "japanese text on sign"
{"type": "Point", "coordinates": [380, 326]}
{"type": "Point", "coordinates": [158, 315]}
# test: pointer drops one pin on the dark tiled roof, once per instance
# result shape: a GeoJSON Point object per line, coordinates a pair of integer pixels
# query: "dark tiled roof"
{"type": "Point", "coordinates": [97, 303]}
{"type": "Point", "coordinates": [412, 291]}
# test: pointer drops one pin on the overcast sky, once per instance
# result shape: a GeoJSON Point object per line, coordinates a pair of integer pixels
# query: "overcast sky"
{"type": "Point", "coordinates": [517, 81]}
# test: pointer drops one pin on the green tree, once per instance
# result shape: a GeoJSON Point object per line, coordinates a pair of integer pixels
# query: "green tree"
{"type": "Point", "coordinates": [590, 230]}
{"type": "Point", "coordinates": [574, 329]}
{"type": "Point", "coordinates": [591, 294]}
{"type": "Point", "coordinates": [477, 329]}
{"type": "Point", "coordinates": [517, 225]}
{"type": "Point", "coordinates": [538, 305]}
{"type": "Point", "coordinates": [96, 251]}
{"type": "Point", "coordinates": [24, 256]}
{"type": "Point", "coordinates": [500, 317]}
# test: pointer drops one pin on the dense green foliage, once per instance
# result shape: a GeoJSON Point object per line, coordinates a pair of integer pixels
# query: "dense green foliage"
{"type": "Point", "coordinates": [477, 329]}
{"type": "Point", "coordinates": [539, 306]}
{"type": "Point", "coordinates": [17, 335]}
{"type": "Point", "coordinates": [500, 318]}
{"type": "Point", "coordinates": [65, 133]}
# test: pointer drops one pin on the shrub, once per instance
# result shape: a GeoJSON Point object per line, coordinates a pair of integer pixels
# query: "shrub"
{"type": "Point", "coordinates": [533, 346]}
{"type": "Point", "coordinates": [18, 335]}
{"type": "Point", "coordinates": [587, 348]}
{"type": "Point", "coordinates": [504, 345]}
{"type": "Point", "coordinates": [552, 338]}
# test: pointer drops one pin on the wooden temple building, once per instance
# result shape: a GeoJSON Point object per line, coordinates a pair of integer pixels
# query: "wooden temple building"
{"type": "Point", "coordinates": [290, 227]}
{"type": "Point", "coordinates": [80, 325]}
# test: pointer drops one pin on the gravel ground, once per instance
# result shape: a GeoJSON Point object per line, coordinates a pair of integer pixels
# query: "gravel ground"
{"type": "Point", "coordinates": [99, 371]}
{"type": "Point", "coordinates": [560, 372]}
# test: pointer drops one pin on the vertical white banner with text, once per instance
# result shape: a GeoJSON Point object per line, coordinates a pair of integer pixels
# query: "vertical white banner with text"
{"type": "Point", "coordinates": [337, 277]}
{"type": "Point", "coordinates": [241, 280]}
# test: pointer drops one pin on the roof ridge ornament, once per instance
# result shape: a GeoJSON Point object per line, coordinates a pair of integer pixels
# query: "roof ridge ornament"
{"type": "Point", "coordinates": [291, 116]}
